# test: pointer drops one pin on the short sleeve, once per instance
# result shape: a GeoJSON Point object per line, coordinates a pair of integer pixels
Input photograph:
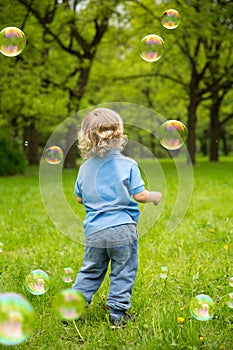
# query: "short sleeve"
{"type": "Point", "coordinates": [136, 184]}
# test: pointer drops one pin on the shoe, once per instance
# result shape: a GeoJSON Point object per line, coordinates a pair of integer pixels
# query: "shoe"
{"type": "Point", "coordinates": [120, 322]}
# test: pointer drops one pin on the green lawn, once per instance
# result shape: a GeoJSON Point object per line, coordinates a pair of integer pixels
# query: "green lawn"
{"type": "Point", "coordinates": [198, 255]}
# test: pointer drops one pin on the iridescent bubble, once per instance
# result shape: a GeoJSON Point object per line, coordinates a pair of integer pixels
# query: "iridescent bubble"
{"type": "Point", "coordinates": [37, 282]}
{"type": "Point", "coordinates": [164, 272]}
{"type": "Point", "coordinates": [68, 275]}
{"type": "Point", "coordinates": [54, 155]}
{"type": "Point", "coordinates": [170, 19]}
{"type": "Point", "coordinates": [231, 281]}
{"type": "Point", "coordinates": [12, 41]}
{"type": "Point", "coordinates": [151, 48]}
{"type": "Point", "coordinates": [16, 319]}
{"type": "Point", "coordinates": [69, 304]}
{"type": "Point", "coordinates": [202, 307]}
{"type": "Point", "coordinates": [230, 300]}
{"type": "Point", "coordinates": [172, 134]}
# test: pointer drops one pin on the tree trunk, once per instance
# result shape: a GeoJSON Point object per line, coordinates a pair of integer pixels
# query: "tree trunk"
{"type": "Point", "coordinates": [203, 147]}
{"type": "Point", "coordinates": [192, 110]}
{"type": "Point", "coordinates": [31, 144]}
{"type": "Point", "coordinates": [152, 144]}
{"type": "Point", "coordinates": [192, 129]}
{"type": "Point", "coordinates": [77, 94]}
{"type": "Point", "coordinates": [71, 156]}
{"type": "Point", "coordinates": [214, 128]}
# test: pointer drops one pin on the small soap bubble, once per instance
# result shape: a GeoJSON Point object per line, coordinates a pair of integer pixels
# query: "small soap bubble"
{"type": "Point", "coordinates": [172, 134]}
{"type": "Point", "coordinates": [68, 275]}
{"type": "Point", "coordinates": [202, 307]}
{"type": "Point", "coordinates": [69, 304]}
{"type": "Point", "coordinates": [25, 143]}
{"type": "Point", "coordinates": [230, 300]}
{"type": "Point", "coordinates": [164, 272]}
{"type": "Point", "coordinates": [54, 155]}
{"type": "Point", "coordinates": [37, 282]}
{"type": "Point", "coordinates": [170, 19]}
{"type": "Point", "coordinates": [151, 48]}
{"type": "Point", "coordinates": [16, 319]}
{"type": "Point", "coordinates": [1, 247]}
{"type": "Point", "coordinates": [231, 281]}
{"type": "Point", "coordinates": [12, 41]}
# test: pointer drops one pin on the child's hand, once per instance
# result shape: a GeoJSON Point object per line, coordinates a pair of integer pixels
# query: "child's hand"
{"type": "Point", "coordinates": [148, 196]}
{"type": "Point", "coordinates": [157, 197]}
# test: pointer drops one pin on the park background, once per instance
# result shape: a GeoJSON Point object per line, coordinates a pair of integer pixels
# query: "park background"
{"type": "Point", "coordinates": [85, 53]}
{"type": "Point", "coordinates": [81, 54]}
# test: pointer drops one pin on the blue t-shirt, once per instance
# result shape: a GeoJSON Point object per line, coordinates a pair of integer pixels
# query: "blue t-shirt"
{"type": "Point", "coordinates": [106, 185]}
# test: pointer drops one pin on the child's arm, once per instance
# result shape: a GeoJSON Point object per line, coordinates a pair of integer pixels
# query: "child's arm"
{"type": "Point", "coordinates": [79, 199]}
{"type": "Point", "coordinates": [147, 196]}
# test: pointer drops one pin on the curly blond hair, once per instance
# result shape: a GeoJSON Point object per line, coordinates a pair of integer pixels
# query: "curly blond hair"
{"type": "Point", "coordinates": [101, 132]}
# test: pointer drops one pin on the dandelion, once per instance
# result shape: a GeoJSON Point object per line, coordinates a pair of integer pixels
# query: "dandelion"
{"type": "Point", "coordinates": [221, 347]}
{"type": "Point", "coordinates": [201, 338]}
{"type": "Point", "coordinates": [225, 247]}
{"type": "Point", "coordinates": [181, 320]}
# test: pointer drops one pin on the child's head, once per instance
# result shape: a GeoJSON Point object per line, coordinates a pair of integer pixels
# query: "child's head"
{"type": "Point", "coordinates": [101, 131]}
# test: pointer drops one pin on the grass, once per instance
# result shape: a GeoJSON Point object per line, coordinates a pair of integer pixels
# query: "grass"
{"type": "Point", "coordinates": [198, 255]}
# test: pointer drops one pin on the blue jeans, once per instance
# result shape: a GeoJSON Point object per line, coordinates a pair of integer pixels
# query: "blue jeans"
{"type": "Point", "coordinates": [118, 245]}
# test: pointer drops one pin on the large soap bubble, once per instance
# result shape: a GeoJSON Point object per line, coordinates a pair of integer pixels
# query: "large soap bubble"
{"type": "Point", "coordinates": [172, 134]}
{"type": "Point", "coordinates": [37, 282]}
{"type": "Point", "coordinates": [69, 304]}
{"type": "Point", "coordinates": [54, 155]}
{"type": "Point", "coordinates": [16, 319]}
{"type": "Point", "coordinates": [202, 307]}
{"type": "Point", "coordinates": [151, 48]}
{"type": "Point", "coordinates": [12, 41]}
{"type": "Point", "coordinates": [170, 19]}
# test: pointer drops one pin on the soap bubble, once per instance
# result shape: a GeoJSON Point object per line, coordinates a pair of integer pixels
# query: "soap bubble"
{"type": "Point", "coordinates": [170, 19]}
{"type": "Point", "coordinates": [230, 300]}
{"type": "Point", "coordinates": [16, 319]}
{"type": "Point", "coordinates": [151, 48]}
{"type": "Point", "coordinates": [172, 134]}
{"type": "Point", "coordinates": [12, 41]}
{"type": "Point", "coordinates": [54, 155]}
{"type": "Point", "coordinates": [68, 275]}
{"type": "Point", "coordinates": [202, 307]}
{"type": "Point", "coordinates": [69, 304]}
{"type": "Point", "coordinates": [37, 282]}
{"type": "Point", "coordinates": [59, 209]}
{"type": "Point", "coordinates": [231, 281]}
{"type": "Point", "coordinates": [164, 272]}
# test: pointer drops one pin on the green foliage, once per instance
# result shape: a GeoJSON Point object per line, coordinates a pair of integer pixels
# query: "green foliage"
{"type": "Point", "coordinates": [64, 67]}
{"type": "Point", "coordinates": [13, 160]}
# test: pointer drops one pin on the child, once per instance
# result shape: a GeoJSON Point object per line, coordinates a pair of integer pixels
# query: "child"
{"type": "Point", "coordinates": [106, 183]}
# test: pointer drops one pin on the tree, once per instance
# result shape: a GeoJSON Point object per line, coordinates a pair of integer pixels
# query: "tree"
{"type": "Point", "coordinates": [197, 63]}
{"type": "Point", "coordinates": [86, 52]}
{"type": "Point", "coordinates": [220, 79]}
{"type": "Point", "coordinates": [77, 28]}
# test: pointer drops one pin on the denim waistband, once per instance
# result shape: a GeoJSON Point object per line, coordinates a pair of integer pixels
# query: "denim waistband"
{"type": "Point", "coordinates": [112, 236]}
